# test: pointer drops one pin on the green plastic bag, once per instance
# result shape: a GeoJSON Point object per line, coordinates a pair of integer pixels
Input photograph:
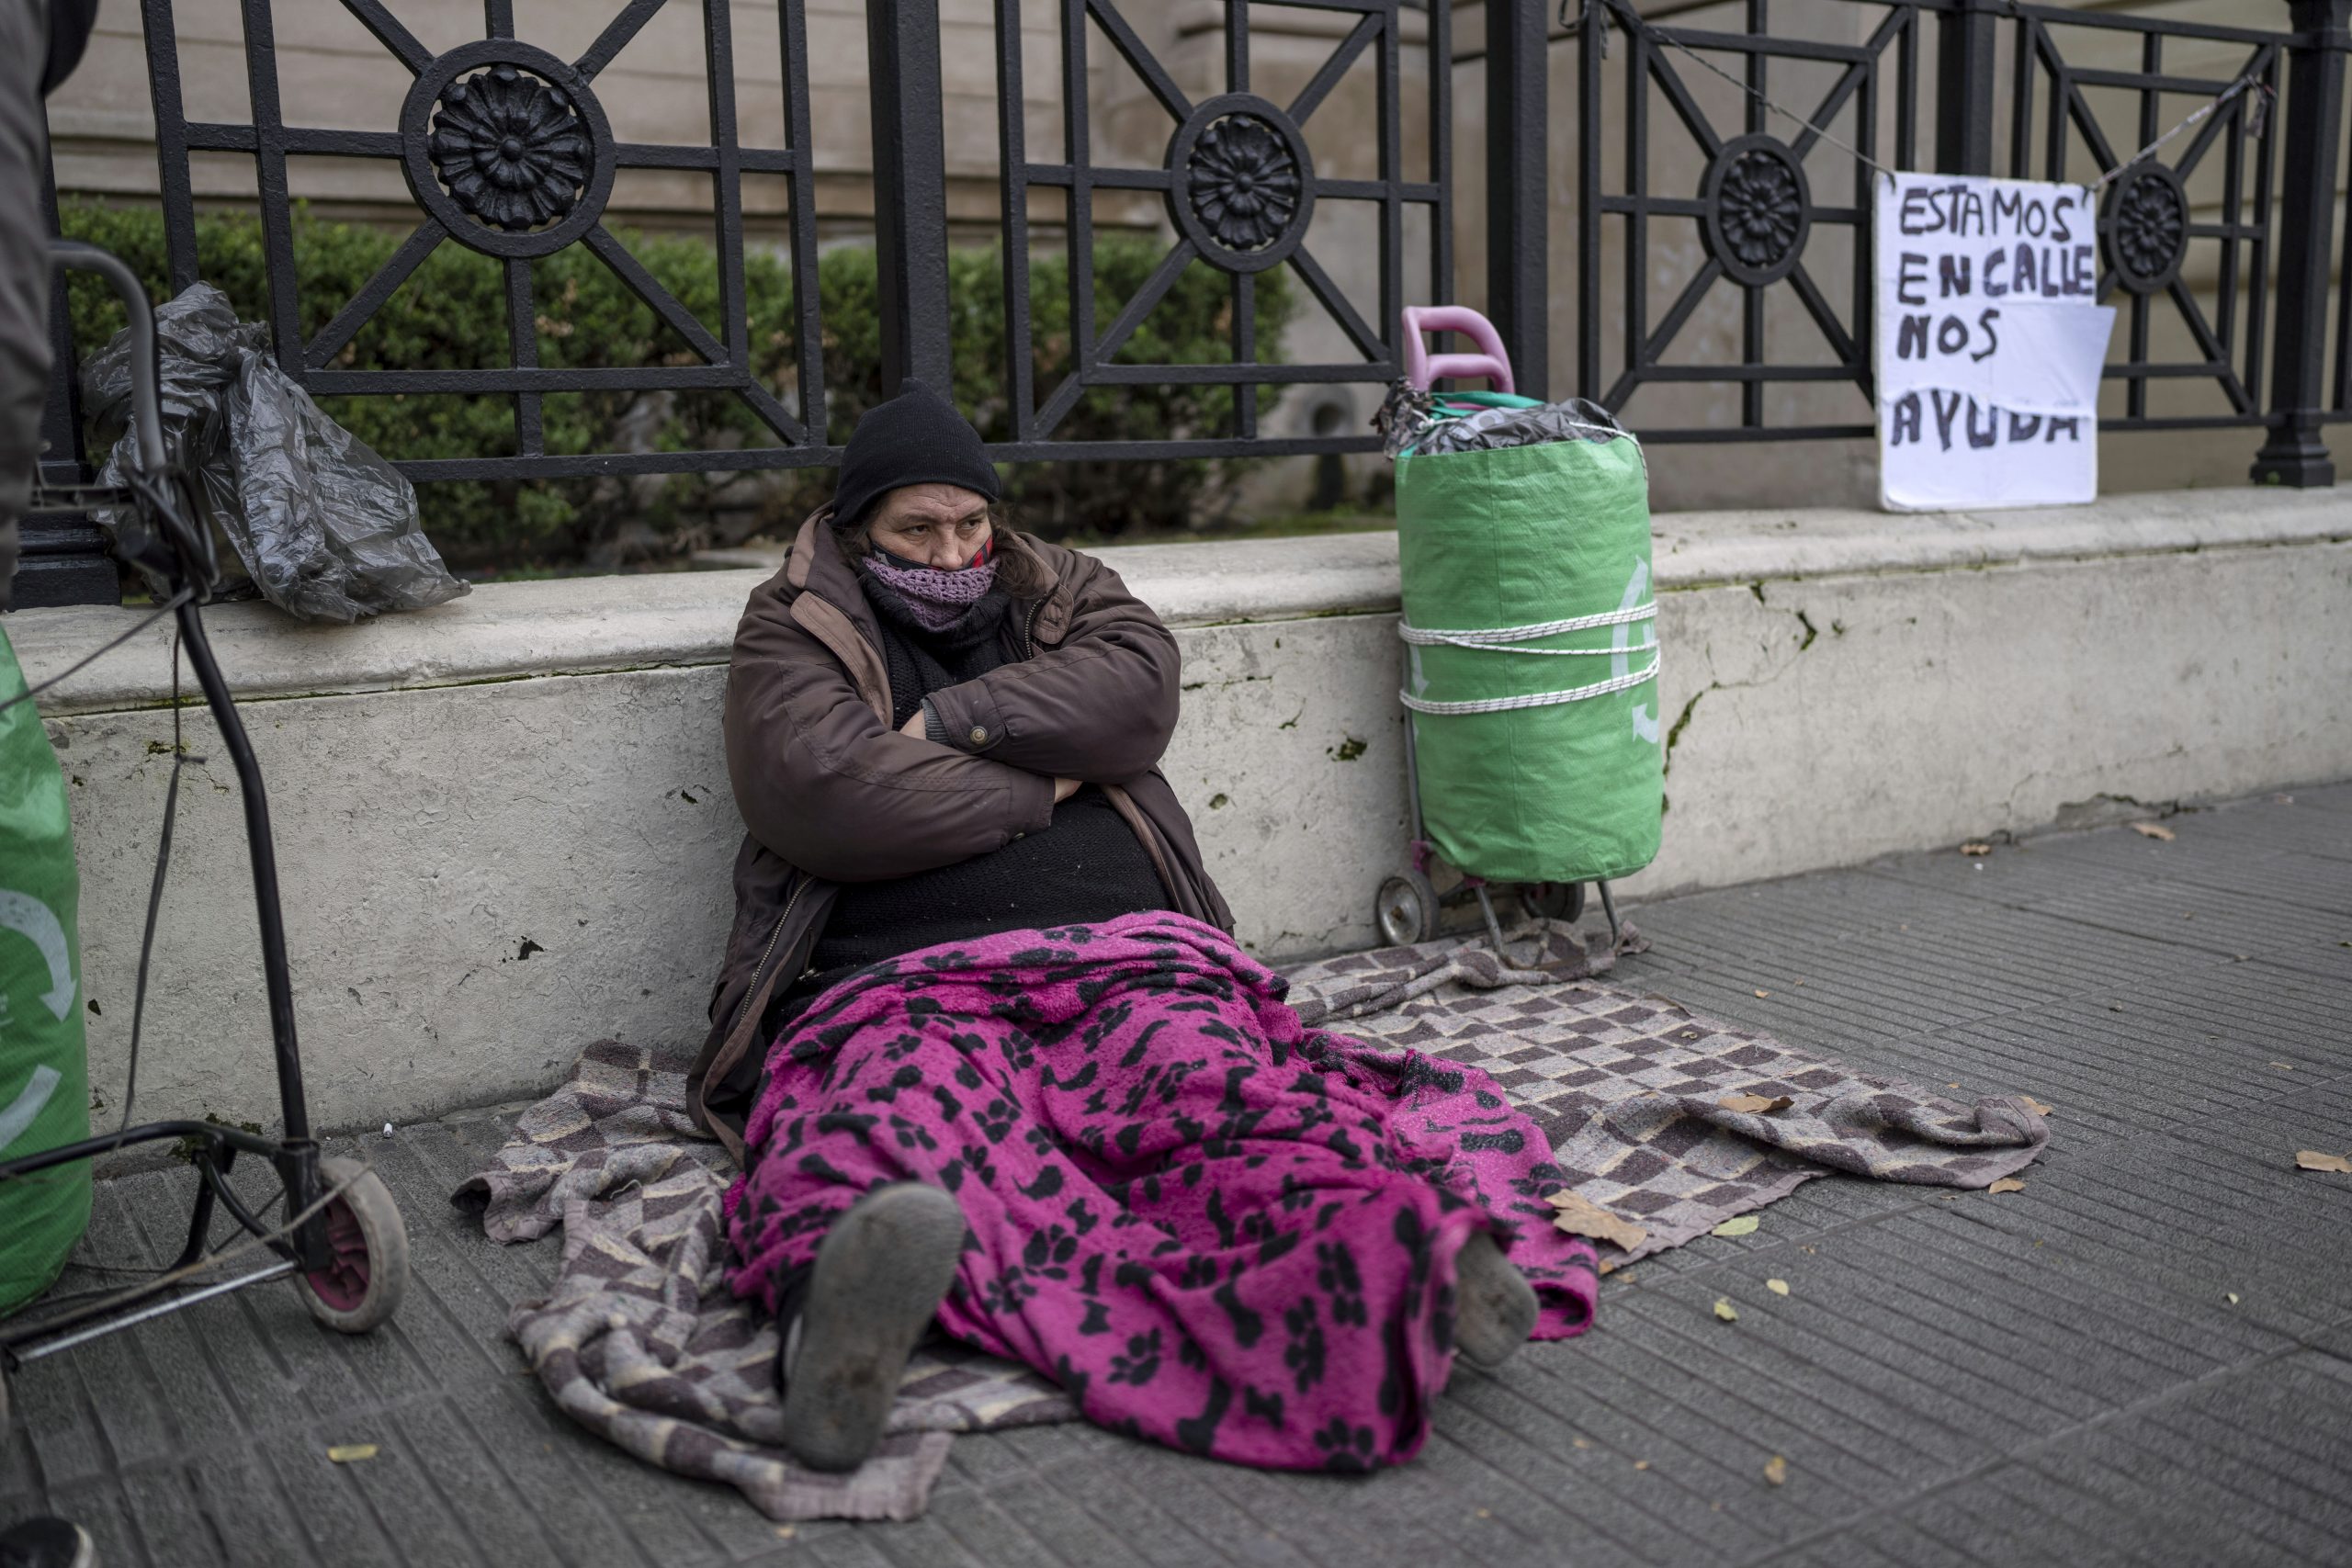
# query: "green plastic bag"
{"type": "Point", "coordinates": [44, 1064]}
{"type": "Point", "coordinates": [1535, 764]}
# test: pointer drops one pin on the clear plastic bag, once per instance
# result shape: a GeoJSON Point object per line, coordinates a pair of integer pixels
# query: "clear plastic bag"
{"type": "Point", "coordinates": [327, 528]}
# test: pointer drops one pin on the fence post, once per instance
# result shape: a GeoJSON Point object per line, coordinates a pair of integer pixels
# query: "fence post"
{"type": "Point", "coordinates": [2295, 453]}
{"type": "Point", "coordinates": [910, 191]}
{"type": "Point", "coordinates": [1519, 283]}
{"type": "Point", "coordinates": [1965, 41]}
{"type": "Point", "coordinates": [66, 559]}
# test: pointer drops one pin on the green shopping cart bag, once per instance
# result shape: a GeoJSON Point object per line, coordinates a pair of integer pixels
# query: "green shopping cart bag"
{"type": "Point", "coordinates": [44, 1068]}
{"type": "Point", "coordinates": [1531, 624]}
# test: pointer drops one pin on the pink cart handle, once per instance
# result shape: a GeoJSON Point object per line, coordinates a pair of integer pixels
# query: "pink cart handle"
{"type": "Point", "coordinates": [1423, 367]}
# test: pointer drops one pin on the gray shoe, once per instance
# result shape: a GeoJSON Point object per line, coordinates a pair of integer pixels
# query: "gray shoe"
{"type": "Point", "coordinates": [880, 1274]}
{"type": "Point", "coordinates": [1496, 1309]}
{"type": "Point", "coordinates": [46, 1543]}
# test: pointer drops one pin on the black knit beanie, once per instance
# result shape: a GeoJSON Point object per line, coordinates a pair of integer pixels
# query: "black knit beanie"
{"type": "Point", "coordinates": [915, 438]}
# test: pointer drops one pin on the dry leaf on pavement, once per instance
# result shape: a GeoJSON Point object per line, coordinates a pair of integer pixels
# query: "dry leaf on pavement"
{"type": "Point", "coordinates": [1763, 993]}
{"type": "Point", "coordinates": [2156, 831]}
{"type": "Point", "coordinates": [349, 1453]}
{"type": "Point", "coordinates": [1754, 1104]}
{"type": "Point", "coordinates": [2007, 1184]}
{"type": "Point", "coordinates": [2311, 1160]}
{"type": "Point", "coordinates": [1725, 1310]}
{"type": "Point", "coordinates": [1739, 1224]}
{"type": "Point", "coordinates": [1975, 849]}
{"type": "Point", "coordinates": [1578, 1217]}
{"type": "Point", "coordinates": [2039, 1108]}
{"type": "Point", "coordinates": [2230, 1297]}
{"type": "Point", "coordinates": [1777, 1287]}
{"type": "Point", "coordinates": [1776, 1471]}
{"type": "Point", "coordinates": [1641, 1465]}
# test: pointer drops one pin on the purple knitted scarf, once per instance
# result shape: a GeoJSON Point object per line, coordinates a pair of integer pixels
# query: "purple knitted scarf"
{"type": "Point", "coordinates": [936, 599]}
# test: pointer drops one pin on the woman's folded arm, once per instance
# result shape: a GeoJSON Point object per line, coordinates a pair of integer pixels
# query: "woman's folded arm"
{"type": "Point", "coordinates": [1100, 706]}
{"type": "Point", "coordinates": [823, 782]}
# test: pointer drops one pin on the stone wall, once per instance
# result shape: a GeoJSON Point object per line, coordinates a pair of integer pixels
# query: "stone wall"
{"type": "Point", "coordinates": [504, 824]}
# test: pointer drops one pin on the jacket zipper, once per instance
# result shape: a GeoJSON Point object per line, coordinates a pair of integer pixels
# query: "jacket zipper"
{"type": "Point", "coordinates": [773, 937]}
{"type": "Point", "coordinates": [1029, 628]}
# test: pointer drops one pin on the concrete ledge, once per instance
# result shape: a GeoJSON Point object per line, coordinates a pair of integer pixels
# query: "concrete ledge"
{"type": "Point", "coordinates": [577, 626]}
{"type": "Point", "coordinates": [505, 826]}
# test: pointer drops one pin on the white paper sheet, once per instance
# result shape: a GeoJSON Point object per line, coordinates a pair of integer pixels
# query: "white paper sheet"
{"type": "Point", "coordinates": [1989, 342]}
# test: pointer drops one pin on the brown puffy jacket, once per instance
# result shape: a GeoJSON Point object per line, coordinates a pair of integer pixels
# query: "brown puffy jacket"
{"type": "Point", "coordinates": [831, 793]}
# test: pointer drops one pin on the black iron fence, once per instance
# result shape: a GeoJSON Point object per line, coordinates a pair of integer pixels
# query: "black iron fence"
{"type": "Point", "coordinates": [508, 151]}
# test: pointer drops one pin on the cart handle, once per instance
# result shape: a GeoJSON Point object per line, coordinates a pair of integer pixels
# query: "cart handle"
{"type": "Point", "coordinates": [1423, 367]}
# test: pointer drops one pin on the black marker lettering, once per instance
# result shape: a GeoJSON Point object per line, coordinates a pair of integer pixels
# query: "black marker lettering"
{"type": "Point", "coordinates": [1945, 414]}
{"type": "Point", "coordinates": [1911, 273]}
{"type": "Point", "coordinates": [1904, 428]}
{"type": "Point", "coordinates": [1985, 320]}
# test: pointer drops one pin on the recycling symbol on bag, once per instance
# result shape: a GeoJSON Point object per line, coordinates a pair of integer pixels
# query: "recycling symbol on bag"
{"type": "Point", "coordinates": [39, 924]}
{"type": "Point", "coordinates": [1621, 661]}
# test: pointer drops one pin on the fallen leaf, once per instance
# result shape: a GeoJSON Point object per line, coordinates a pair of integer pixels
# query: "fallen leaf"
{"type": "Point", "coordinates": [1777, 1287]}
{"type": "Point", "coordinates": [1606, 1267]}
{"type": "Point", "coordinates": [1754, 1104]}
{"type": "Point", "coordinates": [1725, 1310]}
{"type": "Point", "coordinates": [1580, 1442]}
{"type": "Point", "coordinates": [351, 1453]}
{"type": "Point", "coordinates": [2156, 831]}
{"type": "Point", "coordinates": [1763, 993]}
{"type": "Point", "coordinates": [2007, 1184]}
{"type": "Point", "coordinates": [1776, 1471]}
{"type": "Point", "coordinates": [2282, 1066]}
{"type": "Point", "coordinates": [2311, 1160]}
{"type": "Point", "coordinates": [2039, 1108]}
{"type": "Point", "coordinates": [1641, 1465]}
{"type": "Point", "coordinates": [1740, 1225]}
{"type": "Point", "coordinates": [2230, 1297]}
{"type": "Point", "coordinates": [1579, 1217]}
{"type": "Point", "coordinates": [1975, 849]}
{"type": "Point", "coordinates": [1625, 1277]}
{"type": "Point", "coordinates": [785, 1532]}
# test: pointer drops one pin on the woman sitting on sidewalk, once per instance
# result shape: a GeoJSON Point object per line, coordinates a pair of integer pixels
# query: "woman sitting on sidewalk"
{"type": "Point", "coordinates": [990, 1056]}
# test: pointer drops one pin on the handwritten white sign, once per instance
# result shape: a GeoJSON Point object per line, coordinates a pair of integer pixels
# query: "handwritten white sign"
{"type": "Point", "coordinates": [1989, 341]}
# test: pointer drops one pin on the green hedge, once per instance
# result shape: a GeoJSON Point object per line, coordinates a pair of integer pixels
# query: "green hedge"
{"type": "Point", "coordinates": [451, 315]}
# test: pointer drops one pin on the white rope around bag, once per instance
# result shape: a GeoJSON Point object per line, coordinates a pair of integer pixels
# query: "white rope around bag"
{"type": "Point", "coordinates": [1505, 639]}
{"type": "Point", "coordinates": [1537, 699]}
{"type": "Point", "coordinates": [1502, 637]}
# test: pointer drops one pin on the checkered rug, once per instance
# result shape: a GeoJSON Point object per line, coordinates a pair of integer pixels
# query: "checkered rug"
{"type": "Point", "coordinates": [641, 1342]}
{"type": "Point", "coordinates": [1662, 1117]}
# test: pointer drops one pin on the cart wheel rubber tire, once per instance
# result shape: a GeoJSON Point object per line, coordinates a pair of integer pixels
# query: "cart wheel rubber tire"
{"type": "Point", "coordinates": [362, 1287]}
{"type": "Point", "coordinates": [1405, 912]}
{"type": "Point", "coordinates": [1562, 901]}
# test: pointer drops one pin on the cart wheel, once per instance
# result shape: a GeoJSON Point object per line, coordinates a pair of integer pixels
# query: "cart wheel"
{"type": "Point", "coordinates": [1406, 912]}
{"type": "Point", "coordinates": [362, 1285]}
{"type": "Point", "coordinates": [1562, 901]}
